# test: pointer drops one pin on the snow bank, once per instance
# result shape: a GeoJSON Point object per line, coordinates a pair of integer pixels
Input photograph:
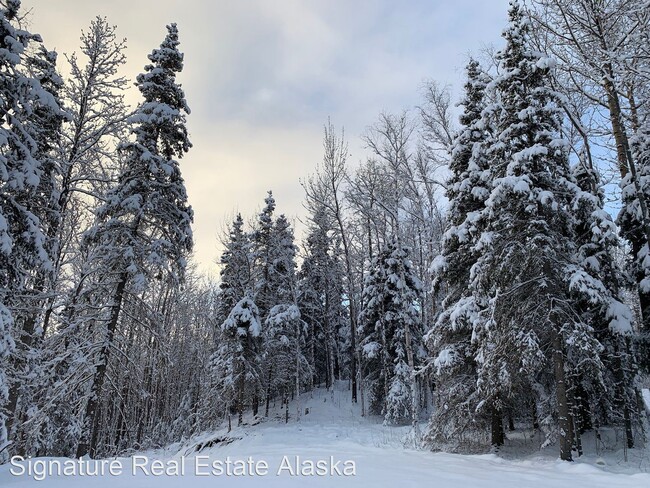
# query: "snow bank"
{"type": "Point", "coordinates": [334, 430]}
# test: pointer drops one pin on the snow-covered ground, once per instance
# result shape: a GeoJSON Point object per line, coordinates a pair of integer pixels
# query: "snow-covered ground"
{"type": "Point", "coordinates": [381, 457]}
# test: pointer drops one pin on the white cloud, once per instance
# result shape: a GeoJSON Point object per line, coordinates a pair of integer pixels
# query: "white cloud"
{"type": "Point", "coordinates": [262, 77]}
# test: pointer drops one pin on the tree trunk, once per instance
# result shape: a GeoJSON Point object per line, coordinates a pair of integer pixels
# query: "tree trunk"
{"type": "Point", "coordinates": [414, 380]}
{"type": "Point", "coordinates": [240, 399]}
{"type": "Point", "coordinates": [361, 391]}
{"type": "Point", "coordinates": [328, 364]}
{"type": "Point", "coordinates": [312, 355]}
{"type": "Point", "coordinates": [621, 393]}
{"type": "Point", "coordinates": [268, 392]}
{"type": "Point", "coordinates": [564, 416]}
{"type": "Point", "coordinates": [385, 363]}
{"type": "Point", "coordinates": [618, 131]}
{"type": "Point", "coordinates": [286, 410]}
{"type": "Point", "coordinates": [256, 404]}
{"type": "Point", "coordinates": [575, 417]}
{"type": "Point", "coordinates": [497, 434]}
{"type": "Point", "coordinates": [298, 372]}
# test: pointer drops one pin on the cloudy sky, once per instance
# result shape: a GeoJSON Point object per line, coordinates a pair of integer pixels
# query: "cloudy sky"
{"type": "Point", "coordinates": [262, 76]}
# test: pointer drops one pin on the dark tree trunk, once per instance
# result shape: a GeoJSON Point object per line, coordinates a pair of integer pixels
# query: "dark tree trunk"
{"type": "Point", "coordinates": [268, 392]}
{"type": "Point", "coordinates": [574, 408]}
{"type": "Point", "coordinates": [564, 416]}
{"type": "Point", "coordinates": [256, 404]}
{"type": "Point", "coordinates": [497, 434]}
{"type": "Point", "coordinates": [286, 410]}
{"type": "Point", "coordinates": [621, 393]}
{"type": "Point", "coordinates": [240, 399]}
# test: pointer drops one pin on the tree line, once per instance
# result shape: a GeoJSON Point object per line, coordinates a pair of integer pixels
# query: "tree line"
{"type": "Point", "coordinates": [469, 274]}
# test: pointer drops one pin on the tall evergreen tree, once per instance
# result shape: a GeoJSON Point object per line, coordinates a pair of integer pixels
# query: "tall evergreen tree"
{"type": "Point", "coordinates": [236, 287]}
{"type": "Point", "coordinates": [283, 321]}
{"type": "Point", "coordinates": [236, 271]}
{"type": "Point", "coordinates": [288, 368]}
{"type": "Point", "coordinates": [390, 296]}
{"type": "Point", "coordinates": [450, 340]}
{"type": "Point", "coordinates": [528, 247]}
{"type": "Point", "coordinates": [320, 298]}
{"type": "Point", "coordinates": [24, 183]}
{"type": "Point", "coordinates": [143, 230]}
{"type": "Point", "coordinates": [264, 294]}
{"type": "Point", "coordinates": [276, 293]}
{"type": "Point", "coordinates": [45, 125]}
{"type": "Point", "coordinates": [237, 362]}
{"type": "Point", "coordinates": [282, 262]}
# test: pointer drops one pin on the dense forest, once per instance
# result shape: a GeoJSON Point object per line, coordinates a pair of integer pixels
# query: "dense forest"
{"type": "Point", "coordinates": [482, 275]}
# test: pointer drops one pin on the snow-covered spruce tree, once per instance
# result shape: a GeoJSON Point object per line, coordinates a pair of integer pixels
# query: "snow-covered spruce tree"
{"type": "Point", "coordinates": [528, 265]}
{"type": "Point", "coordinates": [450, 340]}
{"type": "Point", "coordinates": [143, 230]}
{"type": "Point", "coordinates": [236, 261]}
{"type": "Point", "coordinates": [237, 362]}
{"type": "Point", "coordinates": [23, 245]}
{"type": "Point", "coordinates": [320, 298]}
{"type": "Point", "coordinates": [275, 293]}
{"type": "Point", "coordinates": [236, 283]}
{"type": "Point", "coordinates": [375, 363]}
{"type": "Point", "coordinates": [391, 296]}
{"type": "Point", "coordinates": [282, 262]}
{"type": "Point", "coordinates": [289, 369]}
{"type": "Point", "coordinates": [600, 395]}
{"type": "Point", "coordinates": [47, 120]}
{"type": "Point", "coordinates": [631, 222]}
{"type": "Point", "coordinates": [45, 125]}
{"type": "Point", "coordinates": [264, 294]}
{"type": "Point", "coordinates": [283, 318]}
